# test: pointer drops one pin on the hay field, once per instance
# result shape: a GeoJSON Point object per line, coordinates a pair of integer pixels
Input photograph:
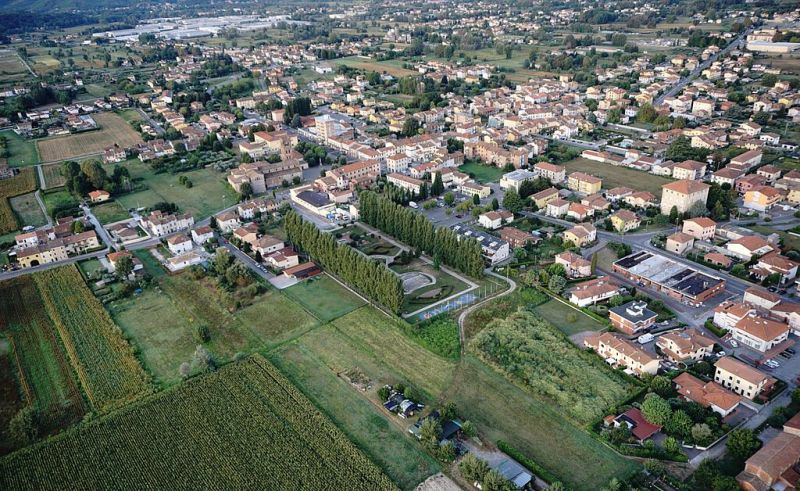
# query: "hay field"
{"type": "Point", "coordinates": [113, 129]}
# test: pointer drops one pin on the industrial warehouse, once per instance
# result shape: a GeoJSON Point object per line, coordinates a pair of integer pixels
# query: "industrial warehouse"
{"type": "Point", "coordinates": [675, 279]}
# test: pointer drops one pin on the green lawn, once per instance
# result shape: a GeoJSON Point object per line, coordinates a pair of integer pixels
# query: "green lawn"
{"type": "Point", "coordinates": [324, 297]}
{"type": "Point", "coordinates": [28, 210]}
{"type": "Point", "coordinates": [110, 212]}
{"type": "Point", "coordinates": [369, 427]}
{"type": "Point", "coordinates": [209, 194]}
{"type": "Point", "coordinates": [568, 320]}
{"type": "Point", "coordinates": [130, 115]}
{"type": "Point", "coordinates": [21, 152]}
{"type": "Point", "coordinates": [615, 176]}
{"type": "Point", "coordinates": [53, 200]}
{"type": "Point", "coordinates": [483, 173]}
{"type": "Point", "coordinates": [445, 286]}
{"type": "Point", "coordinates": [501, 411]}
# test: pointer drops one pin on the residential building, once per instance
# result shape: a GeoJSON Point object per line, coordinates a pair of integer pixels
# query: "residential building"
{"type": "Point", "coordinates": [493, 220]}
{"type": "Point", "coordinates": [405, 182]}
{"type": "Point", "coordinates": [543, 198]}
{"type": "Point", "coordinates": [203, 234]}
{"type": "Point", "coordinates": [625, 221]}
{"type": "Point", "coordinates": [227, 221]}
{"type": "Point", "coordinates": [748, 246]}
{"type": "Point", "coordinates": [633, 317]}
{"type": "Point", "coordinates": [683, 195]}
{"type": "Point", "coordinates": [762, 198]}
{"type": "Point", "coordinates": [179, 244]}
{"type": "Point", "coordinates": [728, 313]}
{"type": "Point", "coordinates": [584, 183]}
{"type": "Point", "coordinates": [495, 250]}
{"type": "Point", "coordinates": [516, 237]}
{"type": "Point", "coordinates": [775, 464]}
{"type": "Point", "coordinates": [708, 394]}
{"type": "Point", "coordinates": [759, 333]}
{"type": "Point", "coordinates": [473, 189]}
{"type": "Point", "coordinates": [689, 169]}
{"type": "Point", "coordinates": [581, 234]}
{"type": "Point", "coordinates": [592, 291]}
{"type": "Point", "coordinates": [701, 228]}
{"type": "Point", "coordinates": [679, 243]}
{"type": "Point", "coordinates": [514, 179]}
{"type": "Point", "coordinates": [741, 378]}
{"type": "Point", "coordinates": [685, 346]}
{"type": "Point", "coordinates": [495, 154]}
{"type": "Point", "coordinates": [556, 173]}
{"type": "Point", "coordinates": [619, 351]}
{"type": "Point", "coordinates": [575, 265]}
{"type": "Point", "coordinates": [160, 224]}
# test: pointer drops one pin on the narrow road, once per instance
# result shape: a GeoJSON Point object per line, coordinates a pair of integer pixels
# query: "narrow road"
{"type": "Point", "coordinates": [152, 122]}
{"type": "Point", "coordinates": [38, 196]}
{"type": "Point", "coordinates": [42, 182]}
{"type": "Point", "coordinates": [512, 285]}
{"type": "Point", "coordinates": [98, 228]}
{"type": "Point", "coordinates": [43, 267]}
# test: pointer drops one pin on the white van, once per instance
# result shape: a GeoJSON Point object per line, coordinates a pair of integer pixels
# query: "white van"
{"type": "Point", "coordinates": [412, 204]}
{"type": "Point", "coordinates": [645, 338]}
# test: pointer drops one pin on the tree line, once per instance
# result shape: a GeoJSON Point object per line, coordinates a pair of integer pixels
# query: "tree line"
{"type": "Point", "coordinates": [371, 278]}
{"type": "Point", "coordinates": [417, 231]}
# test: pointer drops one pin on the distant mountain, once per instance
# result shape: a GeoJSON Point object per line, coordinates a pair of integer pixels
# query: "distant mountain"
{"type": "Point", "coordinates": [40, 6]}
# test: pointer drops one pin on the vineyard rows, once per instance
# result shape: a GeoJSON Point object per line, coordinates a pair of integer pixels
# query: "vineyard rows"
{"type": "Point", "coordinates": [103, 359]}
{"type": "Point", "coordinates": [255, 429]}
{"type": "Point", "coordinates": [22, 183]}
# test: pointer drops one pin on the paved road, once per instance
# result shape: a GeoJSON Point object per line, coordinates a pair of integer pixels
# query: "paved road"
{"type": "Point", "coordinates": [98, 227]}
{"type": "Point", "coordinates": [699, 69]}
{"type": "Point", "coordinates": [247, 260]}
{"type": "Point", "coordinates": [152, 122]}
{"type": "Point", "coordinates": [38, 196]}
{"type": "Point", "coordinates": [43, 267]}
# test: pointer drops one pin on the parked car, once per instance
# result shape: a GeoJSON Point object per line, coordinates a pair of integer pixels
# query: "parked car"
{"type": "Point", "coordinates": [791, 351]}
{"type": "Point", "coordinates": [734, 343]}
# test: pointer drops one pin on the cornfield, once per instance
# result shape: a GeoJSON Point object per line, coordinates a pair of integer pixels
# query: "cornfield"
{"type": "Point", "coordinates": [104, 361]}
{"type": "Point", "coordinates": [243, 427]}
{"type": "Point", "coordinates": [22, 183]}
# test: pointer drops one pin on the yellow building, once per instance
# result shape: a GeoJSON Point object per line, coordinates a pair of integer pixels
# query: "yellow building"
{"type": "Point", "coordinates": [584, 183]}
{"type": "Point", "coordinates": [683, 195]}
{"type": "Point", "coordinates": [625, 220]}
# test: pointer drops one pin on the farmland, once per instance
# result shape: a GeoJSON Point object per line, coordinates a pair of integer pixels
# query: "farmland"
{"type": "Point", "coordinates": [209, 193]}
{"type": "Point", "coordinates": [394, 69]}
{"type": "Point", "coordinates": [110, 212]}
{"type": "Point", "coordinates": [324, 298]}
{"type": "Point", "coordinates": [28, 211]}
{"type": "Point", "coordinates": [58, 200]}
{"type": "Point", "coordinates": [44, 375]}
{"type": "Point", "coordinates": [22, 183]}
{"type": "Point", "coordinates": [21, 152]}
{"type": "Point", "coordinates": [231, 413]}
{"type": "Point", "coordinates": [11, 68]}
{"type": "Point", "coordinates": [52, 176]}
{"type": "Point", "coordinates": [107, 368]}
{"type": "Point", "coordinates": [614, 176]}
{"type": "Point", "coordinates": [112, 129]}
{"type": "Point", "coordinates": [539, 430]}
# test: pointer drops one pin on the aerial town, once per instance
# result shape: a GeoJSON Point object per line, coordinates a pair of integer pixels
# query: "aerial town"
{"type": "Point", "coordinates": [432, 246]}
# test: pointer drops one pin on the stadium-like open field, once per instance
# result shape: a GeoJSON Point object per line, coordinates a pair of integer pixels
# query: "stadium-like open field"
{"type": "Point", "coordinates": [113, 129]}
{"type": "Point", "coordinates": [253, 428]}
{"type": "Point", "coordinates": [614, 176]}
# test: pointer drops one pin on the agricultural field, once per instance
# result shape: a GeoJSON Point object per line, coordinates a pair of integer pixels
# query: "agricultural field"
{"type": "Point", "coordinates": [22, 183]}
{"type": "Point", "coordinates": [28, 211]}
{"type": "Point", "coordinates": [21, 152]}
{"type": "Point", "coordinates": [393, 68]}
{"type": "Point", "coordinates": [533, 353]}
{"type": "Point", "coordinates": [567, 319]}
{"type": "Point", "coordinates": [483, 173]}
{"type": "Point", "coordinates": [42, 373]}
{"type": "Point", "coordinates": [614, 176]}
{"type": "Point", "coordinates": [367, 425]}
{"type": "Point", "coordinates": [112, 129]}
{"type": "Point", "coordinates": [106, 365]}
{"type": "Point", "coordinates": [130, 115]}
{"type": "Point", "coordinates": [324, 297]}
{"type": "Point", "coordinates": [52, 176]}
{"type": "Point", "coordinates": [12, 70]}
{"type": "Point", "coordinates": [183, 304]}
{"type": "Point", "coordinates": [209, 193]}
{"type": "Point", "coordinates": [501, 411]}
{"type": "Point", "coordinates": [44, 63]}
{"type": "Point", "coordinates": [110, 212]}
{"type": "Point", "coordinates": [233, 412]}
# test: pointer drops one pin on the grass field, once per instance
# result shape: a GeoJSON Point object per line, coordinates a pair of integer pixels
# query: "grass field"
{"type": "Point", "coordinates": [44, 63]}
{"type": "Point", "coordinates": [11, 68]}
{"type": "Point", "coordinates": [21, 151]}
{"type": "Point", "coordinates": [110, 212]}
{"type": "Point", "coordinates": [23, 183]}
{"type": "Point", "coordinates": [43, 373]}
{"type": "Point", "coordinates": [568, 320]}
{"type": "Point", "coordinates": [445, 286]}
{"type": "Point", "coordinates": [209, 194]}
{"type": "Point", "coordinates": [162, 324]}
{"type": "Point", "coordinates": [28, 210]}
{"type": "Point", "coordinates": [502, 411]}
{"type": "Point", "coordinates": [113, 129]}
{"type": "Point", "coordinates": [57, 199]}
{"type": "Point", "coordinates": [324, 297]}
{"type": "Point", "coordinates": [254, 428]}
{"type": "Point", "coordinates": [370, 428]}
{"type": "Point", "coordinates": [130, 115]}
{"type": "Point", "coordinates": [483, 173]}
{"type": "Point", "coordinates": [394, 69]}
{"type": "Point", "coordinates": [614, 176]}
{"type": "Point", "coordinates": [52, 176]}
{"type": "Point", "coordinates": [104, 361]}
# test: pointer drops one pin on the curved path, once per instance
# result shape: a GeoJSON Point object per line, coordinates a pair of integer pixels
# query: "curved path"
{"type": "Point", "coordinates": [512, 285]}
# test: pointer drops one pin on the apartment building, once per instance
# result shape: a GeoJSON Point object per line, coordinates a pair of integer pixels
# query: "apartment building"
{"type": "Point", "coordinates": [741, 378]}
{"type": "Point", "coordinates": [584, 183]}
{"type": "Point", "coordinates": [683, 195]}
{"type": "Point", "coordinates": [685, 346]}
{"type": "Point", "coordinates": [619, 351]}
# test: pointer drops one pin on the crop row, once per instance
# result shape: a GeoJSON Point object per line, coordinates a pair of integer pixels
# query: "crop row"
{"type": "Point", "coordinates": [103, 359]}
{"type": "Point", "coordinates": [242, 427]}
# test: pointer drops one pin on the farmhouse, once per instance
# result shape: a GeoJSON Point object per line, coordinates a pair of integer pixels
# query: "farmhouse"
{"type": "Point", "coordinates": [681, 282]}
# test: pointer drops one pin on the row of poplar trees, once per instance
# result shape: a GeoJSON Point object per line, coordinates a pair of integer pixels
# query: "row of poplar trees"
{"type": "Point", "coordinates": [373, 279]}
{"type": "Point", "coordinates": [417, 231]}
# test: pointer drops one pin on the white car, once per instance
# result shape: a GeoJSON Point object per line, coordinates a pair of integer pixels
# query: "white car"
{"type": "Point", "coordinates": [734, 343]}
